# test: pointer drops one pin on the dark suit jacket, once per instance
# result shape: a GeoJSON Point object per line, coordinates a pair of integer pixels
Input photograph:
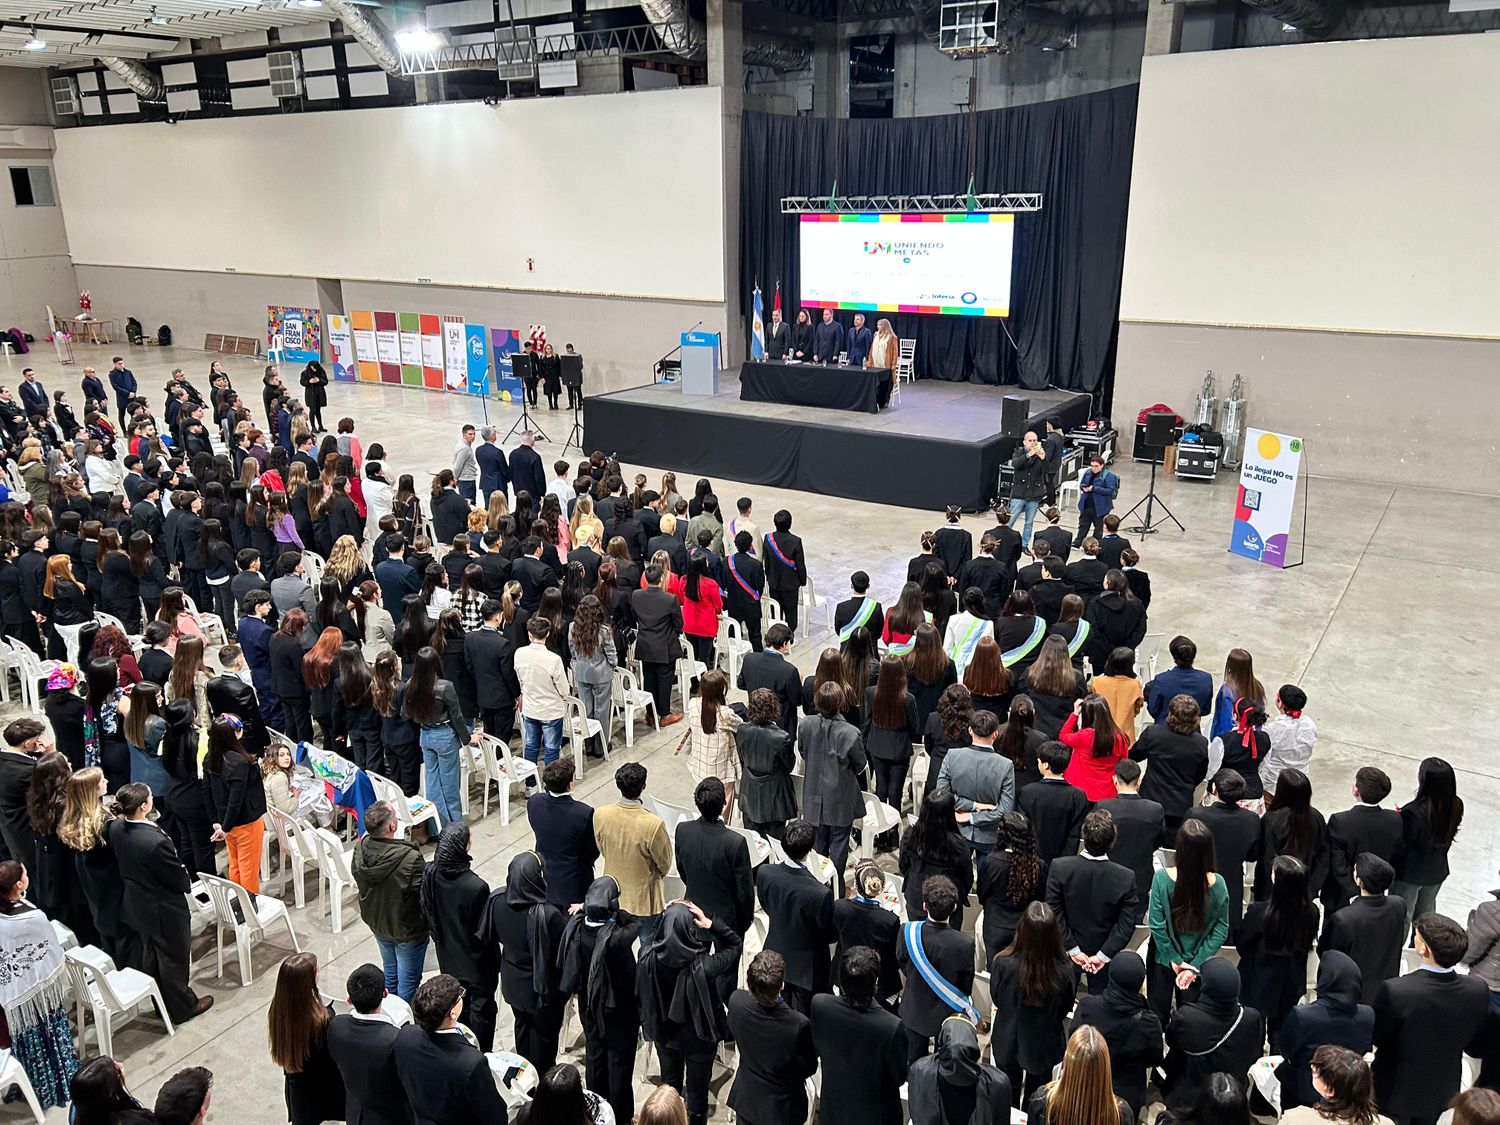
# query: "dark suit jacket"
{"type": "Point", "coordinates": [801, 913]}
{"type": "Point", "coordinates": [1095, 902]}
{"type": "Point", "coordinates": [15, 823]}
{"type": "Point", "coordinates": [778, 339]}
{"type": "Point", "coordinates": [535, 576]}
{"type": "Point", "coordinates": [1139, 823]}
{"type": "Point", "coordinates": [779, 576]}
{"type": "Point", "coordinates": [232, 694]}
{"type": "Point", "coordinates": [951, 953]}
{"type": "Point", "coordinates": [863, 1051]}
{"type": "Point", "coordinates": [564, 830]}
{"type": "Point", "coordinates": [1363, 828]}
{"type": "Point", "coordinates": [363, 1051]}
{"type": "Point", "coordinates": [1371, 930]}
{"type": "Point", "coordinates": [628, 528]}
{"type": "Point", "coordinates": [396, 579]}
{"type": "Point", "coordinates": [845, 612]}
{"type": "Point", "coordinates": [658, 618]}
{"type": "Point", "coordinates": [1086, 576]}
{"type": "Point", "coordinates": [154, 878]}
{"type": "Point", "coordinates": [496, 569]}
{"type": "Point", "coordinates": [590, 560]}
{"type": "Point", "coordinates": [714, 863]}
{"type": "Point", "coordinates": [493, 661]}
{"type": "Point", "coordinates": [1110, 547]}
{"type": "Point", "coordinates": [1424, 1022]}
{"type": "Point", "coordinates": [777, 1058]}
{"type": "Point", "coordinates": [1056, 810]}
{"type": "Point", "coordinates": [1237, 841]}
{"type": "Point", "coordinates": [446, 1081]}
{"type": "Point", "coordinates": [494, 470]}
{"type": "Point", "coordinates": [674, 548]}
{"type": "Point", "coordinates": [527, 474]}
{"type": "Point", "coordinates": [1176, 763]}
{"type": "Point", "coordinates": [774, 671]}
{"type": "Point", "coordinates": [450, 515]}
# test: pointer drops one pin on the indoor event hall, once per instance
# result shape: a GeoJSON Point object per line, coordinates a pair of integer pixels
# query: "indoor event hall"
{"type": "Point", "coordinates": [657, 562]}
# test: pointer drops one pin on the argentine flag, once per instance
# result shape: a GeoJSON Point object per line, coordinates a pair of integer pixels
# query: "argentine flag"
{"type": "Point", "coordinates": [757, 328]}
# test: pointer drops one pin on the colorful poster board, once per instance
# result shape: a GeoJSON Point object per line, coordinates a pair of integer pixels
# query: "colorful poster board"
{"type": "Point", "coordinates": [478, 360]}
{"type": "Point", "coordinates": [411, 349]}
{"type": "Point", "coordinates": [1267, 494]}
{"type": "Point", "coordinates": [388, 347]}
{"type": "Point", "coordinates": [455, 355]}
{"type": "Point", "coordinates": [504, 343]}
{"type": "Point", "coordinates": [365, 354]}
{"type": "Point", "coordinates": [432, 352]}
{"type": "Point", "coordinates": [300, 332]}
{"type": "Point", "coordinates": [341, 349]}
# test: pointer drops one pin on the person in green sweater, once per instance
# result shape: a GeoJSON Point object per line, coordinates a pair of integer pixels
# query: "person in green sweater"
{"type": "Point", "coordinates": [1188, 916]}
{"type": "Point", "coordinates": [388, 871]}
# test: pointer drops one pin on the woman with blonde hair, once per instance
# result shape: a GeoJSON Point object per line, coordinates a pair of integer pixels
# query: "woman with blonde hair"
{"type": "Point", "coordinates": [664, 1107]}
{"type": "Point", "coordinates": [1084, 1092]}
{"type": "Point", "coordinates": [885, 348]}
{"type": "Point", "coordinates": [298, 1033]}
{"type": "Point", "coordinates": [81, 829]}
{"type": "Point", "coordinates": [346, 565]}
{"type": "Point", "coordinates": [499, 509]}
{"type": "Point", "coordinates": [583, 513]}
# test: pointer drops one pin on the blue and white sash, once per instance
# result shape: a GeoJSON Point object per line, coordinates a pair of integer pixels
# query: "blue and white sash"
{"type": "Point", "coordinates": [947, 993]}
{"type": "Point", "coordinates": [1080, 638]}
{"type": "Point", "coordinates": [963, 651]}
{"type": "Point", "coordinates": [861, 617]}
{"type": "Point", "coordinates": [1022, 650]}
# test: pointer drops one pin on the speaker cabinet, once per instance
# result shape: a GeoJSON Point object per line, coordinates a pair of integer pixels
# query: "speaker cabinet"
{"type": "Point", "coordinates": [1014, 410]}
{"type": "Point", "coordinates": [1159, 426]}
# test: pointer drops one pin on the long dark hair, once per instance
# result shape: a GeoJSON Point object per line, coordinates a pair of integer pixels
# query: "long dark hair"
{"type": "Point", "coordinates": [145, 703]}
{"type": "Point", "coordinates": [1353, 1089]}
{"type": "Point", "coordinates": [888, 711]}
{"type": "Point", "coordinates": [330, 603]}
{"type": "Point", "coordinates": [210, 533]}
{"type": "Point", "coordinates": [1094, 714]}
{"type": "Point", "coordinates": [927, 658]}
{"type": "Point", "coordinates": [906, 614]}
{"type": "Point", "coordinates": [223, 740]}
{"type": "Point", "coordinates": [1019, 722]}
{"type": "Point", "coordinates": [421, 691]}
{"type": "Point", "coordinates": [857, 653]}
{"type": "Point", "coordinates": [1291, 919]}
{"type": "Point", "coordinates": [49, 787]}
{"type": "Point", "coordinates": [932, 837]}
{"type": "Point", "coordinates": [697, 572]}
{"type": "Point", "coordinates": [414, 630]}
{"type": "Point", "coordinates": [558, 1099]}
{"type": "Point", "coordinates": [588, 622]}
{"type": "Point", "coordinates": [1038, 946]}
{"type": "Point", "coordinates": [830, 670]}
{"type": "Point", "coordinates": [955, 708]}
{"type": "Point", "coordinates": [1195, 862]}
{"type": "Point", "coordinates": [986, 673]}
{"type": "Point", "coordinates": [1014, 833]}
{"type": "Point", "coordinates": [103, 676]}
{"type": "Point", "coordinates": [355, 681]}
{"type": "Point", "coordinates": [1294, 799]}
{"type": "Point", "coordinates": [139, 552]}
{"type": "Point", "coordinates": [179, 745]}
{"type": "Point", "coordinates": [1437, 800]}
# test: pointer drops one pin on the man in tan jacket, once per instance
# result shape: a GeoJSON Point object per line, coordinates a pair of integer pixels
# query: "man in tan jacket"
{"type": "Point", "coordinates": [636, 849]}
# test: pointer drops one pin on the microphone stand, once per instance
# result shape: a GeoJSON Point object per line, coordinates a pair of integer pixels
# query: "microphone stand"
{"type": "Point", "coordinates": [658, 368]}
{"type": "Point", "coordinates": [524, 422]}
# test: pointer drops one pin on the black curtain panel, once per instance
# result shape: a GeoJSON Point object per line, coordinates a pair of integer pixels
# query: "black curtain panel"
{"type": "Point", "coordinates": [1065, 298]}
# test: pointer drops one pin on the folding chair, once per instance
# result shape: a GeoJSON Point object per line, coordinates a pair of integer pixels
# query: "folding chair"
{"type": "Point", "coordinates": [246, 918]}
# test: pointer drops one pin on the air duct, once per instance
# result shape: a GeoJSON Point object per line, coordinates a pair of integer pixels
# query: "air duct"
{"type": "Point", "coordinates": [1309, 16]}
{"type": "Point", "coordinates": [140, 78]}
{"type": "Point", "coordinates": [371, 34]}
{"type": "Point", "coordinates": [1018, 24]}
{"type": "Point", "coordinates": [687, 38]}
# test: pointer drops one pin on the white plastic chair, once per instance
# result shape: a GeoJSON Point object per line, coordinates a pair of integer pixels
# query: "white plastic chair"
{"type": "Point", "coordinates": [12, 1073]}
{"type": "Point", "coordinates": [298, 853]}
{"type": "Point", "coordinates": [809, 601]}
{"type": "Point", "coordinates": [110, 996]}
{"type": "Point", "coordinates": [879, 817]}
{"type": "Point", "coordinates": [471, 767]}
{"type": "Point", "coordinates": [730, 647]}
{"type": "Point", "coordinates": [333, 865]}
{"type": "Point", "coordinates": [410, 811]}
{"type": "Point", "coordinates": [249, 928]}
{"type": "Point", "coordinates": [906, 359]}
{"type": "Point", "coordinates": [110, 619]}
{"type": "Point", "coordinates": [580, 728]}
{"type": "Point", "coordinates": [211, 623]}
{"type": "Point", "coordinates": [770, 613]}
{"type": "Point", "coordinates": [760, 847]}
{"type": "Point", "coordinates": [627, 698]}
{"type": "Point", "coordinates": [69, 635]}
{"type": "Point", "coordinates": [505, 772]}
{"type": "Point", "coordinates": [312, 568]}
{"type": "Point", "coordinates": [33, 671]}
{"type": "Point", "coordinates": [671, 815]}
{"type": "Point", "coordinates": [689, 668]}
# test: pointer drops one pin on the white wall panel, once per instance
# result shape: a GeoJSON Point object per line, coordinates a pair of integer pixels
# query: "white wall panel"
{"type": "Point", "coordinates": [1346, 186]}
{"type": "Point", "coordinates": [626, 196]}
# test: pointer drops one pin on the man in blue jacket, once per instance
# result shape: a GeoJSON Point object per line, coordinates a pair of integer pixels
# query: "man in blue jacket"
{"type": "Point", "coordinates": [494, 471]}
{"type": "Point", "coordinates": [1097, 489]}
{"type": "Point", "coordinates": [122, 379]}
{"type": "Point", "coordinates": [858, 341]}
{"type": "Point", "coordinates": [1180, 679]}
{"type": "Point", "coordinates": [828, 339]}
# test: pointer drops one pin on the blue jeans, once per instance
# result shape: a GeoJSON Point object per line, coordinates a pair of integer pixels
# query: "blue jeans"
{"type": "Point", "coordinates": [1027, 508]}
{"type": "Point", "coordinates": [543, 735]}
{"type": "Point", "coordinates": [440, 751]}
{"type": "Point", "coordinates": [403, 965]}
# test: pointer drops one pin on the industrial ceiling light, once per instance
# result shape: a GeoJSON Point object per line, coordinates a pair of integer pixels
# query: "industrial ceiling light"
{"type": "Point", "coordinates": [35, 44]}
{"type": "Point", "coordinates": [309, 3]}
{"type": "Point", "coordinates": [156, 19]}
{"type": "Point", "coordinates": [417, 39]}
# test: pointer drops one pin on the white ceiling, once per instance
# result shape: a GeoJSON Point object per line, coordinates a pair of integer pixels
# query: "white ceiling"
{"type": "Point", "coordinates": [79, 32]}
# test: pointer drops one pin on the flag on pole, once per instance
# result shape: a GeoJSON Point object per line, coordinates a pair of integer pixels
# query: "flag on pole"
{"type": "Point", "coordinates": [757, 328]}
{"type": "Point", "coordinates": [537, 334]}
{"type": "Point", "coordinates": [971, 201]}
{"type": "Point", "coordinates": [776, 303]}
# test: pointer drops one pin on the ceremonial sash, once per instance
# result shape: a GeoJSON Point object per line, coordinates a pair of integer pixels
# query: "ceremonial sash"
{"type": "Point", "coordinates": [779, 553]}
{"type": "Point", "coordinates": [754, 594]}
{"type": "Point", "coordinates": [963, 652]}
{"type": "Point", "coordinates": [901, 648]}
{"type": "Point", "coordinates": [1020, 652]}
{"type": "Point", "coordinates": [1080, 638]}
{"type": "Point", "coordinates": [944, 991]}
{"type": "Point", "coordinates": [861, 618]}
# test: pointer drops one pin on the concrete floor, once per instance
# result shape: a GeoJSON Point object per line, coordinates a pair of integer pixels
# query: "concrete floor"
{"type": "Point", "coordinates": [1382, 627]}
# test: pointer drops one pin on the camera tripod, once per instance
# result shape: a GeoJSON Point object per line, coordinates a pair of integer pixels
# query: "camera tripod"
{"type": "Point", "coordinates": [575, 435]}
{"type": "Point", "coordinates": [1150, 526]}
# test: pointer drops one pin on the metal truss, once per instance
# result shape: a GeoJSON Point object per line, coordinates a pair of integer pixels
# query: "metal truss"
{"type": "Point", "coordinates": [512, 55]}
{"type": "Point", "coordinates": [1014, 201]}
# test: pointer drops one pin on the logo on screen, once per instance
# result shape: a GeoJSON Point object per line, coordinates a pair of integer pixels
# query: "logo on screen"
{"type": "Point", "coordinates": [968, 298]}
{"type": "Point", "coordinates": [476, 347]}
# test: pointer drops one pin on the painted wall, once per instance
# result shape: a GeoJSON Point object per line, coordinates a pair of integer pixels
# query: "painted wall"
{"type": "Point", "coordinates": [1319, 219]}
{"type": "Point", "coordinates": [35, 268]}
{"type": "Point", "coordinates": [608, 195]}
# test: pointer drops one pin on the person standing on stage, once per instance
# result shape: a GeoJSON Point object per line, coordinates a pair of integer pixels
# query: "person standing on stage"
{"type": "Point", "coordinates": [802, 336]}
{"type": "Point", "coordinates": [828, 339]}
{"type": "Point", "coordinates": [858, 342]}
{"type": "Point", "coordinates": [1029, 484]}
{"type": "Point", "coordinates": [885, 348]}
{"type": "Point", "coordinates": [1096, 497]}
{"type": "Point", "coordinates": [778, 336]}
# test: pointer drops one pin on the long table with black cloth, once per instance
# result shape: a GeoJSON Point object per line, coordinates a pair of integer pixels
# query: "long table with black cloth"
{"type": "Point", "coordinates": [864, 389]}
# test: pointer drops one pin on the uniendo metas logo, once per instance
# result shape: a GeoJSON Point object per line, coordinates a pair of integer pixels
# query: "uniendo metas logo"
{"type": "Point", "coordinates": [906, 251]}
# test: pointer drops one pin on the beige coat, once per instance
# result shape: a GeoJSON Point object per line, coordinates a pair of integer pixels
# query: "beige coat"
{"type": "Point", "coordinates": [884, 356]}
{"type": "Point", "coordinates": [637, 851]}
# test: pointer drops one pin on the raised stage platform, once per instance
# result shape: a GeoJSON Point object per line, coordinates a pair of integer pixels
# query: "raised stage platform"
{"type": "Point", "coordinates": [940, 444]}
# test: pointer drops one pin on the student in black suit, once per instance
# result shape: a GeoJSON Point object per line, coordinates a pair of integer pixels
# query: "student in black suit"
{"type": "Point", "coordinates": [986, 573]}
{"type": "Point", "coordinates": [772, 669]}
{"type": "Point", "coordinates": [786, 569]}
{"type": "Point", "coordinates": [862, 920]}
{"type": "Point", "coordinates": [1140, 824]}
{"type": "Point", "coordinates": [665, 540]}
{"type": "Point", "coordinates": [862, 1046]}
{"type": "Point", "coordinates": [1274, 940]}
{"type": "Point", "coordinates": [597, 964]}
{"type": "Point", "coordinates": [496, 690]}
{"type": "Point", "coordinates": [1112, 543]}
{"type": "Point", "coordinates": [228, 693]}
{"type": "Point", "coordinates": [1086, 574]}
{"type": "Point", "coordinates": [25, 741]}
{"type": "Point", "coordinates": [1424, 1023]}
{"type": "Point", "coordinates": [658, 641]}
{"type": "Point", "coordinates": [1055, 808]}
{"type": "Point", "coordinates": [950, 952]}
{"type": "Point", "coordinates": [495, 566]}
{"type": "Point", "coordinates": [564, 831]}
{"type": "Point", "coordinates": [1364, 828]}
{"type": "Point", "coordinates": [1048, 592]}
{"type": "Point", "coordinates": [714, 864]}
{"type": "Point", "coordinates": [1033, 985]}
{"type": "Point", "coordinates": [446, 1079]}
{"type": "Point", "coordinates": [1176, 757]}
{"type": "Point", "coordinates": [775, 1046]}
{"type": "Point", "coordinates": [800, 909]}
{"type": "Point", "coordinates": [859, 610]}
{"type": "Point", "coordinates": [744, 586]}
{"type": "Point", "coordinates": [1236, 833]}
{"type": "Point", "coordinates": [1008, 547]}
{"type": "Point", "coordinates": [362, 1044]}
{"type": "Point", "coordinates": [624, 525]}
{"type": "Point", "coordinates": [155, 883]}
{"type": "Point", "coordinates": [1094, 900]}
{"type": "Point", "coordinates": [1372, 928]}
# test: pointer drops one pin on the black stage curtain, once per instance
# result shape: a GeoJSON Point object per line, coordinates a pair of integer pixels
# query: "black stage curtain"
{"type": "Point", "coordinates": [1068, 257]}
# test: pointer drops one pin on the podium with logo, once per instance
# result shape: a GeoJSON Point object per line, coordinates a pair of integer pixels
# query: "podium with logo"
{"type": "Point", "coordinates": [700, 363]}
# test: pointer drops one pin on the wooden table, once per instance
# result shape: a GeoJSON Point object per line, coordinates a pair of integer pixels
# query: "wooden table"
{"type": "Point", "coordinates": [96, 330]}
